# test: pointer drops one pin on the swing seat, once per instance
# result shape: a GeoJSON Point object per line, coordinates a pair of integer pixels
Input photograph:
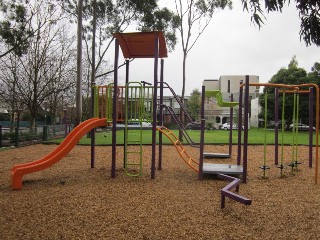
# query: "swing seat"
{"type": "Point", "coordinates": [264, 168]}
{"type": "Point", "coordinates": [281, 166]}
{"type": "Point", "coordinates": [294, 164]}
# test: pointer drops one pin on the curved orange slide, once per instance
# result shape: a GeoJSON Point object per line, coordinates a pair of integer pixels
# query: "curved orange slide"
{"type": "Point", "coordinates": [18, 171]}
{"type": "Point", "coordinates": [193, 164]}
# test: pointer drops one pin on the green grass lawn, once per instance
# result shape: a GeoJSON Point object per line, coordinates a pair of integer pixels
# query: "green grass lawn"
{"type": "Point", "coordinates": [256, 136]}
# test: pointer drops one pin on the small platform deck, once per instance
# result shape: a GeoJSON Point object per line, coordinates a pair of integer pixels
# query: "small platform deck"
{"type": "Point", "coordinates": [228, 169]}
{"type": "Point", "coordinates": [216, 155]}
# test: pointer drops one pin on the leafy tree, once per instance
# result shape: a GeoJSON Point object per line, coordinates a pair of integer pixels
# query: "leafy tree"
{"type": "Point", "coordinates": [315, 72]}
{"type": "Point", "coordinates": [293, 63]}
{"type": "Point", "coordinates": [194, 104]}
{"type": "Point", "coordinates": [15, 28]}
{"type": "Point", "coordinates": [117, 16]}
{"type": "Point", "coordinates": [43, 73]}
{"type": "Point", "coordinates": [308, 12]}
{"type": "Point", "coordinates": [293, 75]}
{"type": "Point", "coordinates": [108, 16]}
{"type": "Point", "coordinates": [162, 20]}
{"type": "Point", "coordinates": [16, 24]}
{"type": "Point", "coordinates": [8, 85]}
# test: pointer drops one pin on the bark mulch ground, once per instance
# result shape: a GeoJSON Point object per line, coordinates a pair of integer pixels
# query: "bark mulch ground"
{"type": "Point", "coordinates": [72, 201]}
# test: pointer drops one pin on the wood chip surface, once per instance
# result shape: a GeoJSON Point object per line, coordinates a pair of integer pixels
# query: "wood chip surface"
{"type": "Point", "coordinates": [72, 201]}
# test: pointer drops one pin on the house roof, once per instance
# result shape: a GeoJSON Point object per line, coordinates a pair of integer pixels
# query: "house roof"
{"type": "Point", "coordinates": [141, 44]}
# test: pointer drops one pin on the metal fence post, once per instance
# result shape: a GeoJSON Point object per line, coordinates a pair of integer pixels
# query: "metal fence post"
{"type": "Point", "coordinates": [16, 137]}
{"type": "Point", "coordinates": [0, 136]}
{"type": "Point", "coordinates": [45, 133]}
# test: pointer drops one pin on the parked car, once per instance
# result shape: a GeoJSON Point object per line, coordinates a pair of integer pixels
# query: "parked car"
{"type": "Point", "coordinates": [226, 126]}
{"type": "Point", "coordinates": [302, 127]}
{"type": "Point", "coordinates": [193, 126]}
{"type": "Point", "coordinates": [144, 123]}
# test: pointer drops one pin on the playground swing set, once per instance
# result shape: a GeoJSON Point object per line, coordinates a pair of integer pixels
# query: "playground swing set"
{"type": "Point", "coordinates": [286, 89]}
{"type": "Point", "coordinates": [294, 163]}
{"type": "Point", "coordinates": [118, 107]}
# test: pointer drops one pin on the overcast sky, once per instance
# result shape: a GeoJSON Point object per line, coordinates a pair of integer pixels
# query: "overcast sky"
{"type": "Point", "coordinates": [232, 45]}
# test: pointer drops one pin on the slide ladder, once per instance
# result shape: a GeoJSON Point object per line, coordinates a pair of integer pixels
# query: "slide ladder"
{"type": "Point", "coordinates": [135, 105]}
{"type": "Point", "coordinates": [132, 155]}
{"type": "Point", "coordinates": [179, 147]}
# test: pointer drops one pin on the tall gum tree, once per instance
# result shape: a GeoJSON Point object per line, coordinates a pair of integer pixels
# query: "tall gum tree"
{"type": "Point", "coordinates": [194, 17]}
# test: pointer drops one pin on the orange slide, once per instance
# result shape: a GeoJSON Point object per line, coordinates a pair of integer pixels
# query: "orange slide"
{"type": "Point", "coordinates": [18, 171]}
{"type": "Point", "coordinates": [193, 164]}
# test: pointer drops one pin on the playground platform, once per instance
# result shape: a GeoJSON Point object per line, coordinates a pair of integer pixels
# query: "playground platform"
{"type": "Point", "coordinates": [229, 169]}
{"type": "Point", "coordinates": [216, 155]}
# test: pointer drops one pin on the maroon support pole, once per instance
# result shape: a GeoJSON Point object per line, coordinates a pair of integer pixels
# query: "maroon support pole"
{"type": "Point", "coordinates": [114, 110]}
{"type": "Point", "coordinates": [161, 115]}
{"type": "Point", "coordinates": [310, 126]}
{"type": "Point", "coordinates": [276, 128]}
{"type": "Point", "coordinates": [245, 134]}
{"type": "Point", "coordinates": [202, 133]}
{"type": "Point", "coordinates": [240, 124]}
{"type": "Point", "coordinates": [231, 124]}
{"type": "Point", "coordinates": [126, 96]}
{"type": "Point", "coordinates": [155, 96]}
{"type": "Point", "coordinates": [0, 136]}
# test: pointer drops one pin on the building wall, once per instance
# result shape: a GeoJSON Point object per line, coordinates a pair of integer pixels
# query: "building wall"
{"type": "Point", "coordinates": [227, 85]}
{"type": "Point", "coordinates": [231, 84]}
{"type": "Point", "coordinates": [255, 109]}
{"type": "Point", "coordinates": [211, 84]}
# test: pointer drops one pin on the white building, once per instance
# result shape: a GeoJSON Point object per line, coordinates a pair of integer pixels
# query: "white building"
{"type": "Point", "coordinates": [255, 109]}
{"type": "Point", "coordinates": [227, 85]}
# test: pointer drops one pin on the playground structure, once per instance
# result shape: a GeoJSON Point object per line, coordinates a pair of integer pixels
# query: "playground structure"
{"type": "Point", "coordinates": [118, 107]}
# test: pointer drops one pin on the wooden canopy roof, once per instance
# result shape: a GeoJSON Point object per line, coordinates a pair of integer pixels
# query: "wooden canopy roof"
{"type": "Point", "coordinates": [141, 44]}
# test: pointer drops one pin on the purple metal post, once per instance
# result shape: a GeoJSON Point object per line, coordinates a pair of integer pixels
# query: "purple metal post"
{"type": "Point", "coordinates": [155, 96]}
{"type": "Point", "coordinates": [200, 176]}
{"type": "Point", "coordinates": [240, 124]}
{"type": "Point", "coordinates": [0, 136]}
{"type": "Point", "coordinates": [245, 134]}
{"type": "Point", "coordinates": [276, 128]}
{"type": "Point", "coordinates": [310, 126]}
{"type": "Point", "coordinates": [126, 96]}
{"type": "Point", "coordinates": [231, 124]}
{"type": "Point", "coordinates": [65, 123]}
{"type": "Point", "coordinates": [161, 115]}
{"type": "Point", "coordinates": [114, 110]}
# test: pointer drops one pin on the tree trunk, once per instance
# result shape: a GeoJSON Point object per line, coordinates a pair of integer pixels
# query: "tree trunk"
{"type": "Point", "coordinates": [79, 66]}
{"type": "Point", "coordinates": [183, 92]}
{"type": "Point", "coordinates": [33, 123]}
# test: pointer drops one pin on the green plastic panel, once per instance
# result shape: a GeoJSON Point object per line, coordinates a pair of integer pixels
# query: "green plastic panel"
{"type": "Point", "coordinates": [218, 95]}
